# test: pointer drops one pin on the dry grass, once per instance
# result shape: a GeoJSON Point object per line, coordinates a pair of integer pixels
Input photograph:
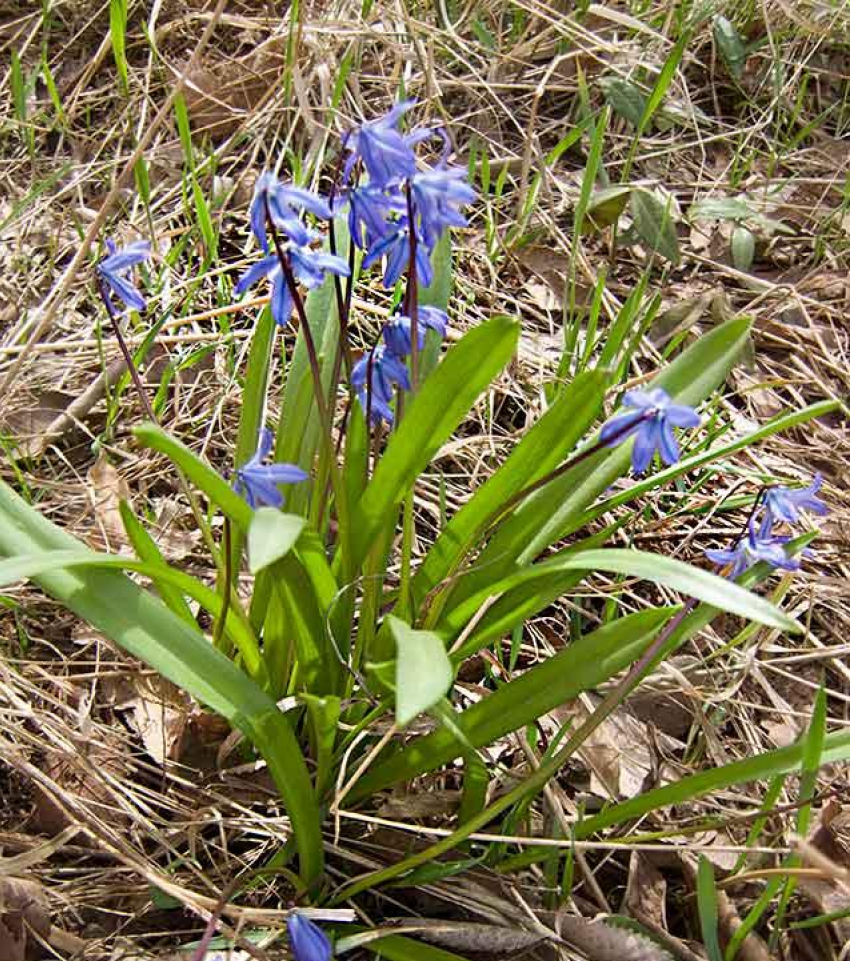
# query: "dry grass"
{"type": "Point", "coordinates": [162, 801]}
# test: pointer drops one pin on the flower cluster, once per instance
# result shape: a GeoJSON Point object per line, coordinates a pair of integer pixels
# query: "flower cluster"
{"type": "Point", "coordinates": [399, 198]}
{"type": "Point", "coordinates": [761, 543]}
{"type": "Point", "coordinates": [278, 208]}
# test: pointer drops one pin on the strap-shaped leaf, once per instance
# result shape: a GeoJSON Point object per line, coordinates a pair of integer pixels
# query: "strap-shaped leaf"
{"type": "Point", "coordinates": [558, 509]}
{"type": "Point", "coordinates": [142, 625]}
{"type": "Point", "coordinates": [442, 402]}
{"type": "Point", "coordinates": [549, 442]}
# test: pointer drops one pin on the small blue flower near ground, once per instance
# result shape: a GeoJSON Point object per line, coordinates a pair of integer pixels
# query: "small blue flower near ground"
{"type": "Point", "coordinates": [397, 331]}
{"type": "Point", "coordinates": [258, 482]}
{"type": "Point", "coordinates": [786, 504]}
{"type": "Point", "coordinates": [757, 545]}
{"type": "Point", "coordinates": [652, 424]}
{"type": "Point", "coordinates": [307, 940]}
{"type": "Point", "coordinates": [113, 270]}
{"type": "Point", "coordinates": [388, 372]}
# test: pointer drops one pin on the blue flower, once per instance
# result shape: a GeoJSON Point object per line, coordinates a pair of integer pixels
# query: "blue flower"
{"type": "Point", "coordinates": [307, 940]}
{"type": "Point", "coordinates": [438, 193]}
{"type": "Point", "coordinates": [757, 545]}
{"type": "Point", "coordinates": [284, 205]}
{"type": "Point", "coordinates": [308, 266]}
{"type": "Point", "coordinates": [653, 423]}
{"type": "Point", "coordinates": [387, 372]}
{"type": "Point", "coordinates": [785, 503]}
{"type": "Point", "coordinates": [258, 482]}
{"type": "Point", "coordinates": [369, 213]}
{"type": "Point", "coordinates": [386, 153]}
{"type": "Point", "coordinates": [113, 270]}
{"type": "Point", "coordinates": [397, 331]}
{"type": "Point", "coordinates": [395, 246]}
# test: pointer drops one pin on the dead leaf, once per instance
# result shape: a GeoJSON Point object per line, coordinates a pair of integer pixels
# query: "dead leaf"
{"type": "Point", "coordinates": [24, 919]}
{"type": "Point", "coordinates": [471, 936]}
{"type": "Point", "coordinates": [28, 423]}
{"type": "Point", "coordinates": [159, 712]}
{"type": "Point", "coordinates": [827, 895]}
{"type": "Point", "coordinates": [108, 490]}
{"type": "Point", "coordinates": [646, 891]}
{"type": "Point", "coordinates": [611, 938]}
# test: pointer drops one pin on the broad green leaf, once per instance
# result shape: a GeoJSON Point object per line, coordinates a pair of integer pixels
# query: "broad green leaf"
{"type": "Point", "coordinates": [423, 673]}
{"type": "Point", "coordinates": [202, 476]}
{"type": "Point", "coordinates": [540, 450]}
{"type": "Point", "coordinates": [720, 208]}
{"type": "Point", "coordinates": [743, 246]}
{"type": "Point", "coordinates": [438, 408]}
{"type": "Point", "coordinates": [605, 208]}
{"type": "Point", "coordinates": [730, 45]}
{"type": "Point", "coordinates": [118, 38]}
{"type": "Point", "coordinates": [654, 224]}
{"type": "Point", "coordinates": [667, 572]}
{"type": "Point", "coordinates": [585, 663]}
{"type": "Point", "coordinates": [626, 99]}
{"type": "Point", "coordinates": [271, 536]}
{"type": "Point", "coordinates": [558, 510]}
{"type": "Point", "coordinates": [141, 624]}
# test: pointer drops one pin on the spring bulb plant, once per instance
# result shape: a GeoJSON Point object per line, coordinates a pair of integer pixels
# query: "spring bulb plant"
{"type": "Point", "coordinates": [352, 616]}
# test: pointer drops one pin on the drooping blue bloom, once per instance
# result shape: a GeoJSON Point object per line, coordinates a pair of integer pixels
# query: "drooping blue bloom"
{"type": "Point", "coordinates": [387, 154]}
{"type": "Point", "coordinates": [387, 373]}
{"type": "Point", "coordinates": [786, 503]}
{"type": "Point", "coordinates": [652, 423]}
{"type": "Point", "coordinates": [307, 940]}
{"type": "Point", "coordinates": [309, 266]}
{"type": "Point", "coordinates": [258, 482]}
{"type": "Point", "coordinates": [113, 271]}
{"type": "Point", "coordinates": [757, 545]}
{"type": "Point", "coordinates": [370, 213]}
{"type": "Point", "coordinates": [397, 330]}
{"type": "Point", "coordinates": [285, 203]}
{"type": "Point", "coordinates": [438, 194]}
{"type": "Point", "coordinates": [395, 246]}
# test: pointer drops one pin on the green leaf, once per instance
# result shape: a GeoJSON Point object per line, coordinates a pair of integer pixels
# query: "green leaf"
{"type": "Point", "coordinates": [730, 45]}
{"type": "Point", "coordinates": [423, 673]}
{"type": "Point", "coordinates": [743, 247]}
{"type": "Point", "coordinates": [202, 476]}
{"type": "Point", "coordinates": [720, 208]}
{"type": "Point", "coordinates": [605, 208]}
{"type": "Point", "coordinates": [707, 904]}
{"type": "Point", "coordinates": [139, 623]}
{"type": "Point", "coordinates": [271, 536]}
{"type": "Point", "coordinates": [557, 680]}
{"type": "Point", "coordinates": [626, 99]}
{"type": "Point", "coordinates": [540, 450]}
{"type": "Point", "coordinates": [438, 408]}
{"type": "Point", "coordinates": [559, 509]}
{"type": "Point", "coordinates": [654, 224]}
{"type": "Point", "coordinates": [118, 38]}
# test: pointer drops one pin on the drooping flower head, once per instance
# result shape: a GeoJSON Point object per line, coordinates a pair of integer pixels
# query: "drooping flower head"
{"type": "Point", "coordinates": [387, 372]}
{"type": "Point", "coordinates": [258, 482]}
{"type": "Point", "coordinates": [786, 503]}
{"type": "Point", "coordinates": [284, 203]}
{"type": "Point", "coordinates": [397, 331]}
{"type": "Point", "coordinates": [439, 194]}
{"type": "Point", "coordinates": [757, 545]}
{"type": "Point", "coordinates": [113, 272]}
{"type": "Point", "coordinates": [651, 424]}
{"type": "Point", "coordinates": [387, 154]}
{"type": "Point", "coordinates": [308, 265]}
{"type": "Point", "coordinates": [395, 247]}
{"type": "Point", "coordinates": [307, 940]}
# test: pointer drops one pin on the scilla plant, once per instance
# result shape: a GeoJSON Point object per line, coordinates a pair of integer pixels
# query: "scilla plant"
{"type": "Point", "coordinates": [348, 624]}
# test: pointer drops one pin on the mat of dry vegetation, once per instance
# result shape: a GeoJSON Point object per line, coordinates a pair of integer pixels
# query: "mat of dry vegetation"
{"type": "Point", "coordinates": [130, 809]}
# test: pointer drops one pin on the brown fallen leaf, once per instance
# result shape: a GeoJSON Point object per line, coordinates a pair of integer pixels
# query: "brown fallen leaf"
{"type": "Point", "coordinates": [833, 894]}
{"type": "Point", "coordinates": [24, 919]}
{"type": "Point", "coordinates": [108, 489]}
{"type": "Point", "coordinates": [611, 938]}
{"type": "Point", "coordinates": [159, 712]}
{"type": "Point", "coordinates": [30, 423]}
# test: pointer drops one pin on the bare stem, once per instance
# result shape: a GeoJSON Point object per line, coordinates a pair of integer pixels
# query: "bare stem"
{"type": "Point", "coordinates": [412, 292]}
